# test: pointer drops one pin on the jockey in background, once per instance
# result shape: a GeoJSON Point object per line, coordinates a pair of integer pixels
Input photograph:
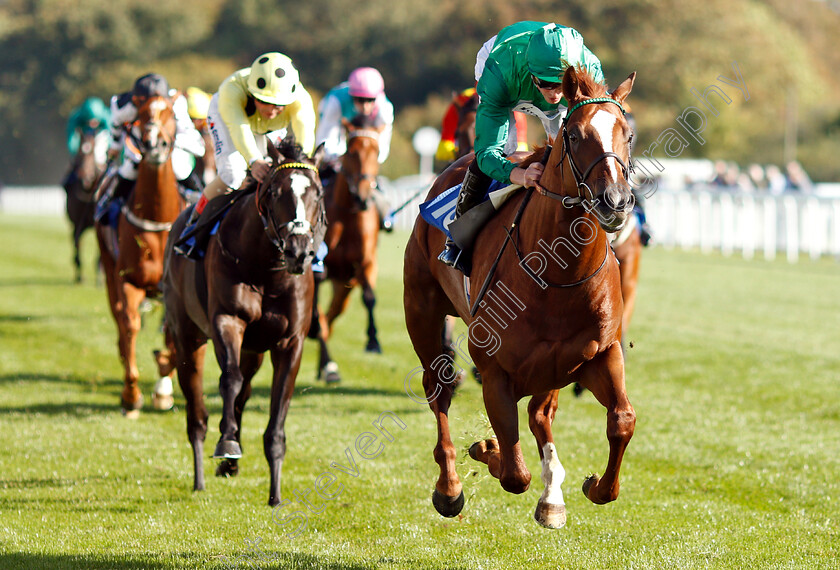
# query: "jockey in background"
{"type": "Point", "coordinates": [448, 149]}
{"type": "Point", "coordinates": [251, 103]}
{"type": "Point", "coordinates": [520, 69]}
{"type": "Point", "coordinates": [188, 141]}
{"type": "Point", "coordinates": [91, 115]}
{"type": "Point", "coordinates": [362, 94]}
{"type": "Point", "coordinates": [198, 103]}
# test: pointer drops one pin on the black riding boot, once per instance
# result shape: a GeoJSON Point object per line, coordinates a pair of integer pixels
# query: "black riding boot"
{"type": "Point", "coordinates": [472, 191]}
{"type": "Point", "coordinates": [192, 187]}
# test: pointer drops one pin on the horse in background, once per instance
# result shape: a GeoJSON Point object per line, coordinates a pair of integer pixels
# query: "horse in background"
{"type": "Point", "coordinates": [80, 186]}
{"type": "Point", "coordinates": [352, 237]}
{"type": "Point", "coordinates": [132, 255]}
{"type": "Point", "coordinates": [536, 325]}
{"type": "Point", "coordinates": [253, 292]}
{"type": "Point", "coordinates": [465, 131]}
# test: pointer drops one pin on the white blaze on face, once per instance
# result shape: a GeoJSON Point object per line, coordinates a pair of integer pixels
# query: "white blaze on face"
{"type": "Point", "coordinates": [300, 183]}
{"type": "Point", "coordinates": [604, 122]}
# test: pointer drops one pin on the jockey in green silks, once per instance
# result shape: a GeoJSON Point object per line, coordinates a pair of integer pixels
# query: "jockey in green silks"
{"type": "Point", "coordinates": [520, 69]}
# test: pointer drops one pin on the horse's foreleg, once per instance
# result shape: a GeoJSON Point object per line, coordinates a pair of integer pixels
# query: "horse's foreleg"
{"type": "Point", "coordinates": [227, 342]}
{"type": "Point", "coordinates": [551, 508]}
{"type": "Point", "coordinates": [508, 463]}
{"type": "Point", "coordinates": [77, 260]}
{"type": "Point", "coordinates": [604, 376]}
{"type": "Point", "coordinates": [424, 319]}
{"type": "Point", "coordinates": [369, 299]}
{"type": "Point", "coordinates": [249, 363]}
{"type": "Point", "coordinates": [318, 329]}
{"type": "Point", "coordinates": [129, 325]}
{"type": "Point", "coordinates": [286, 363]}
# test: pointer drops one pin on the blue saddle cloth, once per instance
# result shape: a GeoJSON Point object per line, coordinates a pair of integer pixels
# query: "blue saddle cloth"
{"type": "Point", "coordinates": [440, 211]}
{"type": "Point", "coordinates": [317, 262]}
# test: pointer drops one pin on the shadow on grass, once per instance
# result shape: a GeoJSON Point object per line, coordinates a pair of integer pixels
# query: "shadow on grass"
{"type": "Point", "coordinates": [285, 560]}
{"type": "Point", "coordinates": [59, 379]}
{"type": "Point", "coordinates": [35, 282]}
{"type": "Point", "coordinates": [303, 390]}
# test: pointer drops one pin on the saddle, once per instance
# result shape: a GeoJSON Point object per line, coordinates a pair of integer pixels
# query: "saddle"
{"type": "Point", "coordinates": [440, 211]}
{"type": "Point", "coordinates": [194, 238]}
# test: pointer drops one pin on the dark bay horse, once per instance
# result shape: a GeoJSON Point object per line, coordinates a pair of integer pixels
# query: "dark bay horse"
{"type": "Point", "coordinates": [352, 236]}
{"type": "Point", "coordinates": [253, 292]}
{"type": "Point", "coordinates": [552, 312]}
{"type": "Point", "coordinates": [80, 187]}
{"type": "Point", "coordinates": [132, 259]}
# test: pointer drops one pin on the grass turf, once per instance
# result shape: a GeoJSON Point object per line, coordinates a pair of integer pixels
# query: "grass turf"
{"type": "Point", "coordinates": [733, 374]}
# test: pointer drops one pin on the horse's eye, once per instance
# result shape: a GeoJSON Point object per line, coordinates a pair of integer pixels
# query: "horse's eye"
{"type": "Point", "coordinates": [573, 138]}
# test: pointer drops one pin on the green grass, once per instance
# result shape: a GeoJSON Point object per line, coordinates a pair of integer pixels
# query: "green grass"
{"type": "Point", "coordinates": [734, 374]}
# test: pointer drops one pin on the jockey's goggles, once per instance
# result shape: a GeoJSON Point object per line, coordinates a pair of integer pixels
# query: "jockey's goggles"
{"type": "Point", "coordinates": [543, 84]}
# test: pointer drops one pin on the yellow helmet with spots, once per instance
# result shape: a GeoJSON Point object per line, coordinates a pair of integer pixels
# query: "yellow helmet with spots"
{"type": "Point", "coordinates": [273, 79]}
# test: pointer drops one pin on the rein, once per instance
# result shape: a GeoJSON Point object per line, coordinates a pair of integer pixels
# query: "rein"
{"type": "Point", "coordinates": [566, 201]}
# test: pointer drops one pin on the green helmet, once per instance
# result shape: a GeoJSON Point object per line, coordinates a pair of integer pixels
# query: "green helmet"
{"type": "Point", "coordinates": [545, 53]}
{"type": "Point", "coordinates": [273, 79]}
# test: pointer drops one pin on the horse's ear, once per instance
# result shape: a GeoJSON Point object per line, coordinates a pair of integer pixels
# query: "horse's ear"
{"type": "Point", "coordinates": [272, 151]}
{"type": "Point", "coordinates": [318, 155]}
{"type": "Point", "coordinates": [571, 87]}
{"type": "Point", "coordinates": [346, 124]}
{"type": "Point", "coordinates": [621, 92]}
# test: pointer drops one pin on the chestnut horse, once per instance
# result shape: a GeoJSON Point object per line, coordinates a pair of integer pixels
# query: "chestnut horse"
{"type": "Point", "coordinates": [465, 131]}
{"type": "Point", "coordinates": [548, 318]}
{"type": "Point", "coordinates": [132, 260]}
{"type": "Point", "coordinates": [352, 236]}
{"type": "Point", "coordinates": [82, 182]}
{"type": "Point", "coordinates": [627, 246]}
{"type": "Point", "coordinates": [252, 293]}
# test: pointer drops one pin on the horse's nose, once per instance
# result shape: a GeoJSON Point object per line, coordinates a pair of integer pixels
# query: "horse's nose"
{"type": "Point", "coordinates": [618, 198]}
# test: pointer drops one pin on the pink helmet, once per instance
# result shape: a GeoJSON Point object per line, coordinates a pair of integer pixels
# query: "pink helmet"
{"type": "Point", "coordinates": [366, 82]}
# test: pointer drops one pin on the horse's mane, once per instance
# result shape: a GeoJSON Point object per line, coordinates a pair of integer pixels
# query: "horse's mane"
{"type": "Point", "coordinates": [588, 85]}
{"type": "Point", "coordinates": [535, 156]}
{"type": "Point", "coordinates": [291, 150]}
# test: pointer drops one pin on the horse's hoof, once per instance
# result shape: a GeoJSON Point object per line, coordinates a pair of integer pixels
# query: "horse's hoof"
{"type": "Point", "coordinates": [448, 506]}
{"type": "Point", "coordinates": [480, 447]}
{"type": "Point", "coordinates": [162, 403]}
{"type": "Point", "coordinates": [330, 373]}
{"type": "Point", "coordinates": [577, 389]}
{"type": "Point", "coordinates": [550, 516]}
{"type": "Point", "coordinates": [587, 484]}
{"type": "Point", "coordinates": [131, 414]}
{"type": "Point", "coordinates": [227, 449]}
{"type": "Point", "coordinates": [162, 397]}
{"type": "Point", "coordinates": [227, 468]}
{"type": "Point", "coordinates": [373, 346]}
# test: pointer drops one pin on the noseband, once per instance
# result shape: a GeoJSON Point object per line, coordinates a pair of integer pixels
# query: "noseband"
{"type": "Point", "coordinates": [584, 191]}
{"type": "Point", "coordinates": [154, 121]}
{"type": "Point", "coordinates": [295, 226]}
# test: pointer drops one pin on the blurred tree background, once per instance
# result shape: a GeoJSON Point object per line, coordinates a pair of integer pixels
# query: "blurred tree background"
{"type": "Point", "coordinates": [55, 53]}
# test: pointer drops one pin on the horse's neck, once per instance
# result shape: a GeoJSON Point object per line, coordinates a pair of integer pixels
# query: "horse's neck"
{"type": "Point", "coordinates": [155, 195]}
{"type": "Point", "coordinates": [242, 235]}
{"type": "Point", "coordinates": [571, 234]}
